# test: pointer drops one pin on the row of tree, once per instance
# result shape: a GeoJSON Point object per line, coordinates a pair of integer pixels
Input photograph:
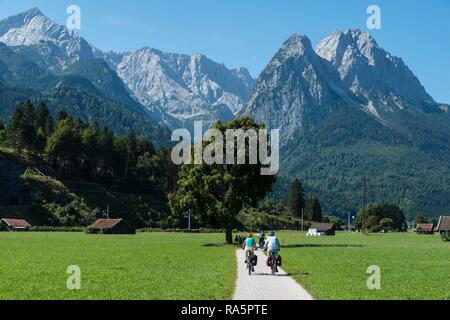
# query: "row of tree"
{"type": "Point", "coordinates": [77, 149]}
{"type": "Point", "coordinates": [371, 218]}
{"type": "Point", "coordinates": [381, 217]}
{"type": "Point", "coordinates": [302, 207]}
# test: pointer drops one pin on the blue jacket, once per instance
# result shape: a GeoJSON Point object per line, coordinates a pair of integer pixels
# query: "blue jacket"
{"type": "Point", "coordinates": [250, 242]}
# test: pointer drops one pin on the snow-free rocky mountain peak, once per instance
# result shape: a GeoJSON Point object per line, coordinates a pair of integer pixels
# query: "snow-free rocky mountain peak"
{"type": "Point", "coordinates": [185, 86]}
{"type": "Point", "coordinates": [297, 84]}
{"type": "Point", "coordinates": [370, 71]}
{"type": "Point", "coordinates": [301, 86]}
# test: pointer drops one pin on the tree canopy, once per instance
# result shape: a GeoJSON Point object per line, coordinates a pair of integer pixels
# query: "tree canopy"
{"type": "Point", "coordinates": [295, 200]}
{"type": "Point", "coordinates": [216, 193]}
{"type": "Point", "coordinates": [370, 218]}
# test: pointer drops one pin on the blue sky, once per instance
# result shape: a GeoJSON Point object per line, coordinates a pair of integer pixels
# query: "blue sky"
{"type": "Point", "coordinates": [248, 32]}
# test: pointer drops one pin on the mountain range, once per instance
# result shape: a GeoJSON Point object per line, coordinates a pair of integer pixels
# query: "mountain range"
{"type": "Point", "coordinates": [351, 112]}
{"type": "Point", "coordinates": [347, 110]}
{"type": "Point", "coordinates": [173, 88]}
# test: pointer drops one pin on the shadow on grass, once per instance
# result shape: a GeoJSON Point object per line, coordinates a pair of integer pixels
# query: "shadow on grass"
{"type": "Point", "coordinates": [280, 275]}
{"type": "Point", "coordinates": [217, 245]}
{"type": "Point", "coordinates": [293, 246]}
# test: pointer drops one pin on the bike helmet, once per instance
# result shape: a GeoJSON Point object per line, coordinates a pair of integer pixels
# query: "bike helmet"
{"type": "Point", "coordinates": [272, 233]}
{"type": "Point", "coordinates": [250, 235]}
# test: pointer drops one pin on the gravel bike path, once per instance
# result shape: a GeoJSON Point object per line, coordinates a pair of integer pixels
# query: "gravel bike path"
{"type": "Point", "coordinates": [261, 285]}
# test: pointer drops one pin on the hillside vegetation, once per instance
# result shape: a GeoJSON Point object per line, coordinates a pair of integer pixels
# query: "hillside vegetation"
{"type": "Point", "coordinates": [67, 172]}
{"type": "Point", "coordinates": [335, 158]}
{"type": "Point", "coordinates": [44, 200]}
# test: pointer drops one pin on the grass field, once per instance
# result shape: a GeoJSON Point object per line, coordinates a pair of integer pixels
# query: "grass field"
{"type": "Point", "coordinates": [193, 266]}
{"type": "Point", "coordinates": [412, 266]}
{"type": "Point", "coordinates": [145, 266]}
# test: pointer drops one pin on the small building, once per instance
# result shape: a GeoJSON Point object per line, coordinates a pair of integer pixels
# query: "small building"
{"type": "Point", "coordinates": [322, 229]}
{"type": "Point", "coordinates": [111, 226]}
{"type": "Point", "coordinates": [15, 225]}
{"type": "Point", "coordinates": [425, 228]}
{"type": "Point", "coordinates": [444, 227]}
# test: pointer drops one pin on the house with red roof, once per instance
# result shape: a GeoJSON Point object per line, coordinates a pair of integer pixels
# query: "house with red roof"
{"type": "Point", "coordinates": [425, 228]}
{"type": "Point", "coordinates": [111, 226]}
{"type": "Point", "coordinates": [15, 224]}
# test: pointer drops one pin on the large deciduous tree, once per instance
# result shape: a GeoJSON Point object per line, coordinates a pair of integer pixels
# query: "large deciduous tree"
{"type": "Point", "coordinates": [370, 216]}
{"type": "Point", "coordinates": [216, 193]}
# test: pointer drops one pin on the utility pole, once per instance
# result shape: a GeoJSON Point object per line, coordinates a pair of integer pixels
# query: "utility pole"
{"type": "Point", "coordinates": [303, 215]}
{"type": "Point", "coordinates": [106, 213]}
{"type": "Point", "coordinates": [365, 192]}
{"type": "Point", "coordinates": [188, 215]}
{"type": "Point", "coordinates": [349, 228]}
{"type": "Point", "coordinates": [189, 220]}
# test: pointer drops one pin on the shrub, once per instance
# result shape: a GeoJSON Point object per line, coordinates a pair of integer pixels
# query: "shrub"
{"type": "Point", "coordinates": [387, 224]}
{"type": "Point", "coordinates": [73, 214]}
{"type": "Point", "coordinates": [211, 230]}
{"type": "Point", "coordinates": [56, 229]}
{"type": "Point", "coordinates": [252, 218]}
{"type": "Point", "coordinates": [143, 230]}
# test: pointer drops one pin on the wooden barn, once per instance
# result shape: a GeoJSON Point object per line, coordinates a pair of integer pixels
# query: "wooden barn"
{"type": "Point", "coordinates": [425, 228]}
{"type": "Point", "coordinates": [111, 226]}
{"type": "Point", "coordinates": [326, 229]}
{"type": "Point", "coordinates": [15, 225]}
{"type": "Point", "coordinates": [444, 227]}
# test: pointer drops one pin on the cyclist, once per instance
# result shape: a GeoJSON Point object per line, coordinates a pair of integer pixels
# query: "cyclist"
{"type": "Point", "coordinates": [249, 247]}
{"type": "Point", "coordinates": [262, 239]}
{"type": "Point", "coordinates": [273, 246]}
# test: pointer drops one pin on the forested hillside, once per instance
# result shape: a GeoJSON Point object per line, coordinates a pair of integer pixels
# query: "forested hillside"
{"type": "Point", "coordinates": [65, 172]}
{"type": "Point", "coordinates": [335, 158]}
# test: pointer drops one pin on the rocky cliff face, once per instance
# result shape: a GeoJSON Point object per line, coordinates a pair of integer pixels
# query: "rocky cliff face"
{"type": "Point", "coordinates": [184, 86]}
{"type": "Point", "coordinates": [296, 89]}
{"type": "Point", "coordinates": [372, 73]}
{"type": "Point", "coordinates": [301, 86]}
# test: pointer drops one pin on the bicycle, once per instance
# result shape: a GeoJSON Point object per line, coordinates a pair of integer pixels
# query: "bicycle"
{"type": "Point", "coordinates": [262, 244]}
{"type": "Point", "coordinates": [274, 263]}
{"type": "Point", "coordinates": [250, 256]}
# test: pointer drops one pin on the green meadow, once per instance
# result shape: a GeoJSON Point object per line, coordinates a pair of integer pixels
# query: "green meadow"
{"type": "Point", "coordinates": [143, 266]}
{"type": "Point", "coordinates": [197, 266]}
{"type": "Point", "coordinates": [412, 266]}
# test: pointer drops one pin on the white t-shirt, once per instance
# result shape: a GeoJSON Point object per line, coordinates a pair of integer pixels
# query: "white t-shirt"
{"type": "Point", "coordinates": [272, 243]}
